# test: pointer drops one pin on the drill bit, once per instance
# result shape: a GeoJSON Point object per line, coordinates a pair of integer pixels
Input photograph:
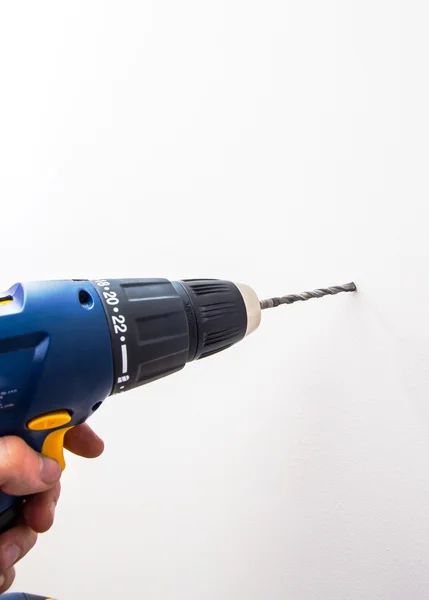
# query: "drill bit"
{"type": "Point", "coordinates": [291, 298]}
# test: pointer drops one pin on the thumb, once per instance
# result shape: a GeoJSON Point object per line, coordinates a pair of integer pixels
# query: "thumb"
{"type": "Point", "coordinates": [23, 471]}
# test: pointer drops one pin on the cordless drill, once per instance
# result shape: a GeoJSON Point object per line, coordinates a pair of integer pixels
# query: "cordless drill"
{"type": "Point", "coordinates": [66, 346]}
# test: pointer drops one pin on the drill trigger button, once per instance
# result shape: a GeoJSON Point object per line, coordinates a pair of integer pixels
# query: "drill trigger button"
{"type": "Point", "coordinates": [53, 445]}
{"type": "Point", "coordinates": [49, 420]}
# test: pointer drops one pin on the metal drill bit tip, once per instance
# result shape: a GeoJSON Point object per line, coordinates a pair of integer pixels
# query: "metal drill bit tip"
{"type": "Point", "coordinates": [330, 291]}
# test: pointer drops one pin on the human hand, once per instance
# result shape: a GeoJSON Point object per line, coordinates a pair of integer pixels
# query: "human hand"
{"type": "Point", "coordinates": [25, 472]}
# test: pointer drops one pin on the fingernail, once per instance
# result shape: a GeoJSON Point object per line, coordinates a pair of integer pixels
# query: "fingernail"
{"type": "Point", "coordinates": [52, 509]}
{"type": "Point", "coordinates": [50, 470]}
{"type": "Point", "coordinates": [12, 555]}
{"type": "Point", "coordinates": [2, 580]}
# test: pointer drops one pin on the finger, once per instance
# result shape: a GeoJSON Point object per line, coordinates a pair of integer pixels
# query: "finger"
{"type": "Point", "coordinates": [83, 441]}
{"type": "Point", "coordinates": [23, 471]}
{"type": "Point", "coordinates": [39, 510]}
{"type": "Point", "coordinates": [6, 579]}
{"type": "Point", "coordinates": [14, 545]}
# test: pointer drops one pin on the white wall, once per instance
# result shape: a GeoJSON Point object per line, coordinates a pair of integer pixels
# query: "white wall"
{"type": "Point", "coordinates": [283, 144]}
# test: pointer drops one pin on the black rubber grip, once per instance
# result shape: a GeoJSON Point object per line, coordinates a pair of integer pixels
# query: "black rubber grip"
{"type": "Point", "coordinates": [218, 315]}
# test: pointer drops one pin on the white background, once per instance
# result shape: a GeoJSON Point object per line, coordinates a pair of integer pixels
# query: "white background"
{"type": "Point", "coordinates": [283, 144]}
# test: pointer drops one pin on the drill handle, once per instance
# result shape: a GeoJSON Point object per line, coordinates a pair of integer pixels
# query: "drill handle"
{"type": "Point", "coordinates": [44, 434]}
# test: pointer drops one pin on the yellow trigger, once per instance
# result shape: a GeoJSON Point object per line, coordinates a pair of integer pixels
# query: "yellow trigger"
{"type": "Point", "coordinates": [53, 446]}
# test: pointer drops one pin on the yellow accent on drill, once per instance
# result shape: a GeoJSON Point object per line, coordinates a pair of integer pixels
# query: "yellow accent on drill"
{"type": "Point", "coordinates": [49, 420]}
{"type": "Point", "coordinates": [6, 300]}
{"type": "Point", "coordinates": [53, 445]}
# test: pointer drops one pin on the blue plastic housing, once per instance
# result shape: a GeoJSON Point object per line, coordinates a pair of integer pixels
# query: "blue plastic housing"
{"type": "Point", "coordinates": [55, 354]}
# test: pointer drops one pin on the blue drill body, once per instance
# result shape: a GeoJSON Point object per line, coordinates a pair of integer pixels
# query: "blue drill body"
{"type": "Point", "coordinates": [55, 353]}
